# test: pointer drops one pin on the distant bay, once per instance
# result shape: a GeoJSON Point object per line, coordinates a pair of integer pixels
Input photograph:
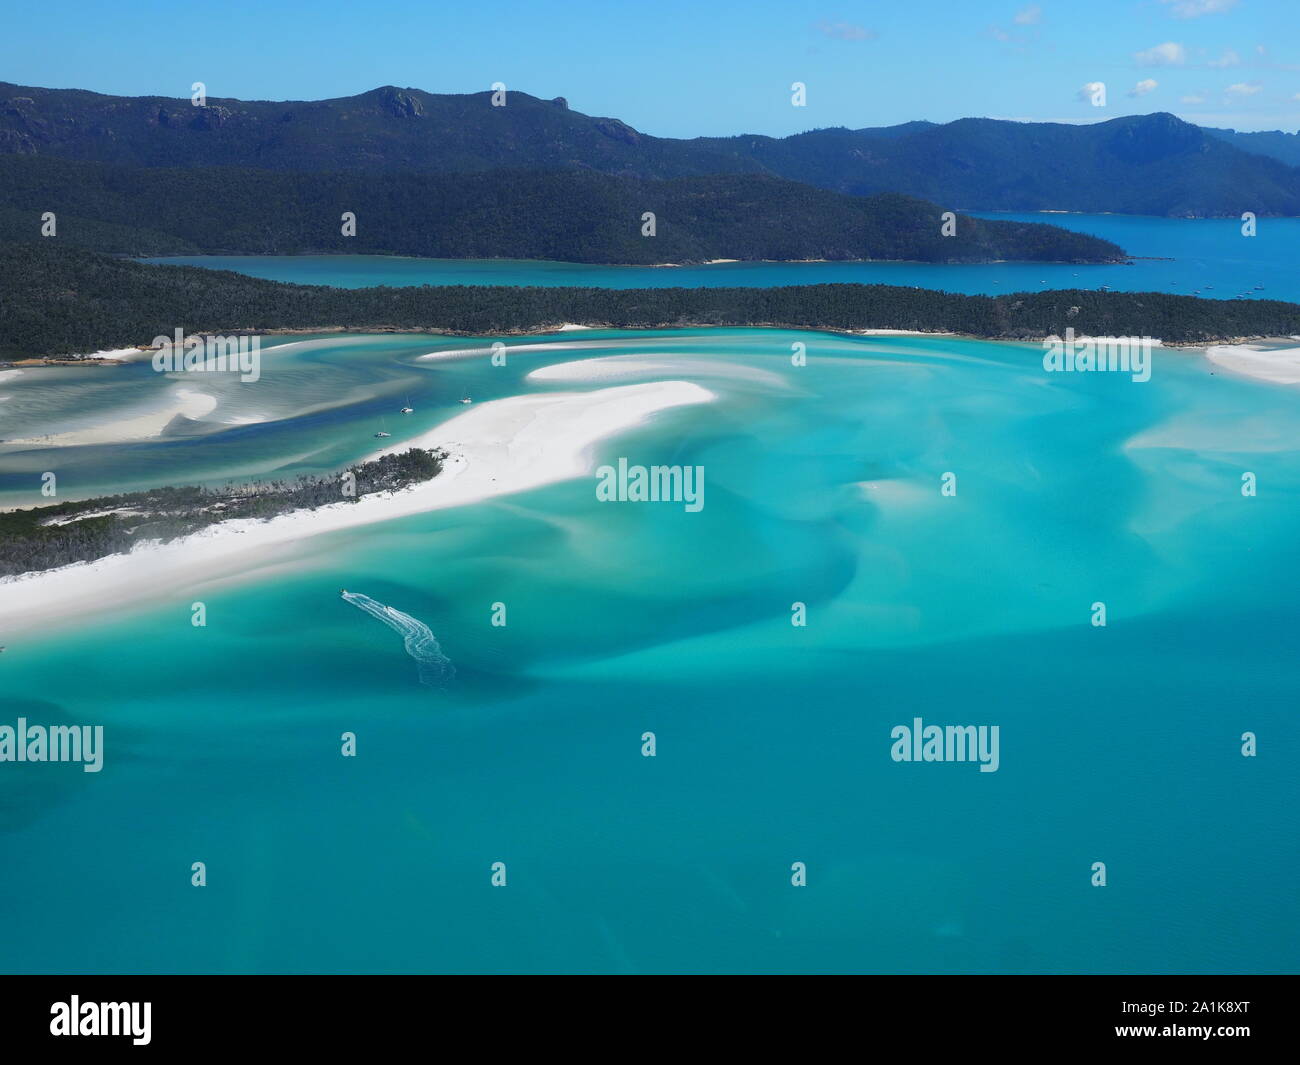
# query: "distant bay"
{"type": "Point", "coordinates": [1184, 256]}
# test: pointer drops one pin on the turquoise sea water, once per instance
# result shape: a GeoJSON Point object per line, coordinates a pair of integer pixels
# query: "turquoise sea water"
{"type": "Point", "coordinates": [1118, 744]}
{"type": "Point", "coordinates": [1183, 256]}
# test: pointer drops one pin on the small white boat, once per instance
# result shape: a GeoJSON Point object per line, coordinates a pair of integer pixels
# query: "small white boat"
{"type": "Point", "coordinates": [383, 434]}
{"type": "Point", "coordinates": [467, 400]}
{"type": "Point", "coordinates": [408, 410]}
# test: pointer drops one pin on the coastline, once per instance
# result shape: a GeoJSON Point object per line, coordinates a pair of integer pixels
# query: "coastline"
{"type": "Point", "coordinates": [1241, 355]}
{"type": "Point", "coordinates": [1236, 354]}
{"type": "Point", "coordinates": [125, 356]}
{"type": "Point", "coordinates": [499, 448]}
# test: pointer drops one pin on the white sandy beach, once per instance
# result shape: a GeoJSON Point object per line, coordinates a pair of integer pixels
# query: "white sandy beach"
{"type": "Point", "coordinates": [503, 446]}
{"type": "Point", "coordinates": [1280, 365]}
{"type": "Point", "coordinates": [122, 354]}
{"type": "Point", "coordinates": [897, 333]}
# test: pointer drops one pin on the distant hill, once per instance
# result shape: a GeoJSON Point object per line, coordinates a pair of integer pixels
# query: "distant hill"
{"type": "Point", "coordinates": [1149, 164]}
{"type": "Point", "coordinates": [573, 215]}
{"type": "Point", "coordinates": [1284, 147]}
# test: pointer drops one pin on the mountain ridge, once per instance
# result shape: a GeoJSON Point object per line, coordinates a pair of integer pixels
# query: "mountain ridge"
{"type": "Point", "coordinates": [1144, 164]}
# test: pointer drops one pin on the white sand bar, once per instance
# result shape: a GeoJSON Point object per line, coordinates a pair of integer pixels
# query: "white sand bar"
{"type": "Point", "coordinates": [179, 402]}
{"type": "Point", "coordinates": [610, 368]}
{"type": "Point", "coordinates": [503, 446]}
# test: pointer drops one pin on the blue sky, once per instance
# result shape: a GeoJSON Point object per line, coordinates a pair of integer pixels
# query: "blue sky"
{"type": "Point", "coordinates": [692, 67]}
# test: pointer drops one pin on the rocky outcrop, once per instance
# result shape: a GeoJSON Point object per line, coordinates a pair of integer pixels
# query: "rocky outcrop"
{"type": "Point", "coordinates": [211, 117]}
{"type": "Point", "coordinates": [400, 104]}
{"type": "Point", "coordinates": [619, 131]}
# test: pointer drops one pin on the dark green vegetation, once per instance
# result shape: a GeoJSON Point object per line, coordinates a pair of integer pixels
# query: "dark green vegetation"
{"type": "Point", "coordinates": [571, 215]}
{"type": "Point", "coordinates": [44, 537]}
{"type": "Point", "coordinates": [1144, 164]}
{"type": "Point", "coordinates": [58, 300]}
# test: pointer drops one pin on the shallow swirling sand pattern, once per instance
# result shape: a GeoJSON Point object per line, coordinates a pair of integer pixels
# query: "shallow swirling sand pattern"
{"type": "Point", "coordinates": [1119, 744]}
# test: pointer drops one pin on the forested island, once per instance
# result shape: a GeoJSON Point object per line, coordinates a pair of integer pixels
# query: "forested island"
{"type": "Point", "coordinates": [42, 538]}
{"type": "Point", "coordinates": [567, 215]}
{"type": "Point", "coordinates": [61, 301]}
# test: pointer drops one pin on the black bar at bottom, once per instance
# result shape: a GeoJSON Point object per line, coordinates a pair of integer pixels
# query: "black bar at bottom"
{"type": "Point", "coordinates": [1242, 1014]}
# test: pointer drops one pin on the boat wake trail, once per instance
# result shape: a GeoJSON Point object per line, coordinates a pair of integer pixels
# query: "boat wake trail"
{"type": "Point", "coordinates": [434, 666]}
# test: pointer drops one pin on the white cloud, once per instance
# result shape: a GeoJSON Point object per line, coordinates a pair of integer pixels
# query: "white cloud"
{"type": "Point", "coordinates": [1197, 8]}
{"type": "Point", "coordinates": [1143, 87]}
{"type": "Point", "coordinates": [1228, 59]}
{"type": "Point", "coordinates": [1193, 99]}
{"type": "Point", "coordinates": [1024, 29]}
{"type": "Point", "coordinates": [1168, 54]}
{"type": "Point", "coordinates": [1243, 89]}
{"type": "Point", "coordinates": [846, 31]}
{"type": "Point", "coordinates": [1090, 91]}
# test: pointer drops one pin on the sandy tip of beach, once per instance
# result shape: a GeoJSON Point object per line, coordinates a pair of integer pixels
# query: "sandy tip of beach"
{"type": "Point", "coordinates": [1280, 365]}
{"type": "Point", "coordinates": [496, 448]}
{"type": "Point", "coordinates": [136, 354]}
